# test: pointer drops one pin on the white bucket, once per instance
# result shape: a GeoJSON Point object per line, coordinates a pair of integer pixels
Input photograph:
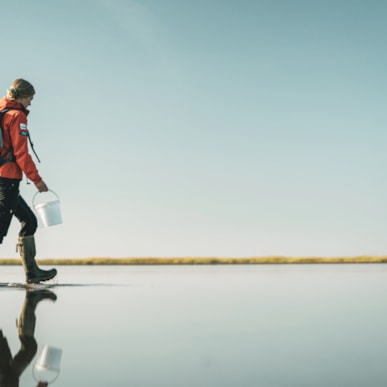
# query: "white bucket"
{"type": "Point", "coordinates": [49, 359]}
{"type": "Point", "coordinates": [47, 366]}
{"type": "Point", "coordinates": [49, 212]}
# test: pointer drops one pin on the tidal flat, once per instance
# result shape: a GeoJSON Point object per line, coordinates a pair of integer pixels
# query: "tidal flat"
{"type": "Point", "coordinates": [206, 325]}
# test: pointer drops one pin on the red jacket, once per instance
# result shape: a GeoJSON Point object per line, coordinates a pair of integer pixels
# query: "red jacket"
{"type": "Point", "coordinates": [15, 134]}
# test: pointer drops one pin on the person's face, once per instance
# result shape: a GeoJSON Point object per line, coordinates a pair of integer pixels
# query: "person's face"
{"type": "Point", "coordinates": [26, 101]}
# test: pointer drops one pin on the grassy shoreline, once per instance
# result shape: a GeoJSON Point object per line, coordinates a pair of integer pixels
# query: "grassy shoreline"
{"type": "Point", "coordinates": [202, 260]}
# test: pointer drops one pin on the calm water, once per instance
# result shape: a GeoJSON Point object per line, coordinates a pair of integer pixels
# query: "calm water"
{"type": "Point", "coordinates": [209, 326]}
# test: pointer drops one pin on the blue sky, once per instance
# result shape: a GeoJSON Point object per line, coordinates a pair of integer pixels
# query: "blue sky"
{"type": "Point", "coordinates": [205, 128]}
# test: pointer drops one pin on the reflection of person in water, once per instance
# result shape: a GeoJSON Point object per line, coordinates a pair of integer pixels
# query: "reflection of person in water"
{"type": "Point", "coordinates": [11, 368]}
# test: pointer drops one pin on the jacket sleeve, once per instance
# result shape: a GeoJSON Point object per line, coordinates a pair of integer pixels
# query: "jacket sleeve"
{"type": "Point", "coordinates": [19, 140]}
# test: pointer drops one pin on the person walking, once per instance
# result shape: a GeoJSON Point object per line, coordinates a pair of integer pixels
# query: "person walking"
{"type": "Point", "coordinates": [14, 161]}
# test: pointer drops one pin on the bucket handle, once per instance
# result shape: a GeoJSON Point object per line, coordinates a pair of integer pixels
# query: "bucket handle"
{"type": "Point", "coordinates": [33, 198]}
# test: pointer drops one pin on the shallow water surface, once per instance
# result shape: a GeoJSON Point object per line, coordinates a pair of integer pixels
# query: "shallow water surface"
{"type": "Point", "coordinates": [207, 326]}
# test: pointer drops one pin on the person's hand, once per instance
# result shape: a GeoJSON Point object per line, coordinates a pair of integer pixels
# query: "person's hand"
{"type": "Point", "coordinates": [41, 186]}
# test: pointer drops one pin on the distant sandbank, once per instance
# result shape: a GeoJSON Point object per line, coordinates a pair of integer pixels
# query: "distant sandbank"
{"type": "Point", "coordinates": [203, 260]}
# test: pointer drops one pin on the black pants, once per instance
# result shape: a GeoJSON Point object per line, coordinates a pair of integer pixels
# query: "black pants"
{"type": "Point", "coordinates": [12, 204]}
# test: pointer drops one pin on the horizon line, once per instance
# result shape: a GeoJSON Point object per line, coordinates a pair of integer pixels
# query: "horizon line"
{"type": "Point", "coordinates": [187, 260]}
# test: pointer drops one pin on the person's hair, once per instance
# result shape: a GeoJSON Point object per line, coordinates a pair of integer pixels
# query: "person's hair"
{"type": "Point", "coordinates": [20, 89]}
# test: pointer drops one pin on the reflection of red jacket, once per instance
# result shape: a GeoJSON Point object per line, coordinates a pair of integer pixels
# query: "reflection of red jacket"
{"type": "Point", "coordinates": [15, 134]}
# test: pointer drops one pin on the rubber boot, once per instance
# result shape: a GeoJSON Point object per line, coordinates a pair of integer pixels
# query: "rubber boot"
{"type": "Point", "coordinates": [27, 319]}
{"type": "Point", "coordinates": [27, 251]}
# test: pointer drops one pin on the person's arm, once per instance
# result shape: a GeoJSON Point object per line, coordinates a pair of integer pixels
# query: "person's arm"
{"type": "Point", "coordinates": [19, 139]}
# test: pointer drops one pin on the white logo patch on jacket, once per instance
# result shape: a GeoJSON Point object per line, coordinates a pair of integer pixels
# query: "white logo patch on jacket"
{"type": "Point", "coordinates": [23, 130]}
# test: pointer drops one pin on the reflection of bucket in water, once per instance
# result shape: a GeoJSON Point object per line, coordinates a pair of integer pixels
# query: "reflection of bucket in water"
{"type": "Point", "coordinates": [47, 365]}
{"type": "Point", "coordinates": [49, 359]}
{"type": "Point", "coordinates": [49, 212]}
